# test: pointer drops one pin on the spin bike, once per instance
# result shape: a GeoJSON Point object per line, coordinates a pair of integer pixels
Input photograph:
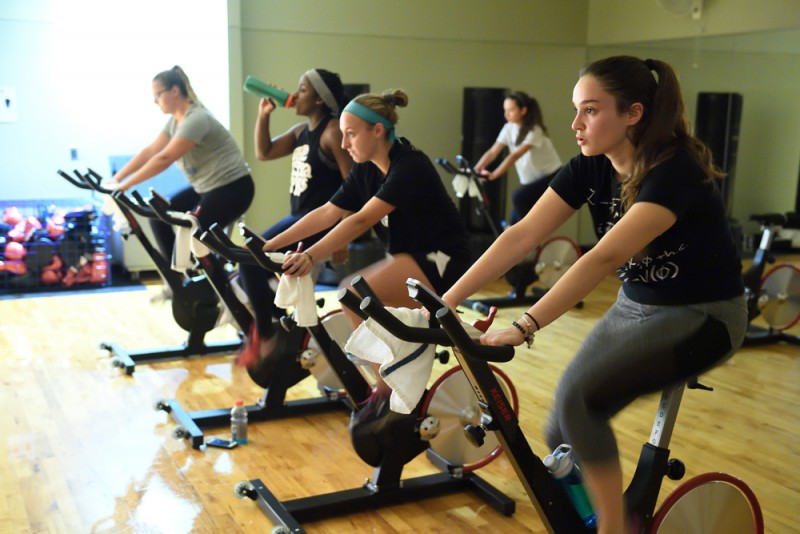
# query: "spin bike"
{"type": "Point", "coordinates": [195, 306]}
{"type": "Point", "coordinates": [775, 296]}
{"type": "Point", "coordinates": [544, 266]}
{"type": "Point", "coordinates": [387, 440]}
{"type": "Point", "coordinates": [707, 503]}
{"type": "Point", "coordinates": [295, 357]}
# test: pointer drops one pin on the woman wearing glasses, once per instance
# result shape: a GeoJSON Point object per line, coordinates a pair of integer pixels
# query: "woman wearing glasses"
{"type": "Point", "coordinates": [220, 186]}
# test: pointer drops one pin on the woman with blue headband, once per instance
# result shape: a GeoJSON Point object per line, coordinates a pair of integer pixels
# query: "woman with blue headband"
{"type": "Point", "coordinates": [394, 189]}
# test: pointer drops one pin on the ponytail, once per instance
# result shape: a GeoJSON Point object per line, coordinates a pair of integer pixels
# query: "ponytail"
{"type": "Point", "coordinates": [176, 77]}
{"type": "Point", "coordinates": [663, 128]}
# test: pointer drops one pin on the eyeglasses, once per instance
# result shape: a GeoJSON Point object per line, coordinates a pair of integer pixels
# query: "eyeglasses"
{"type": "Point", "coordinates": [157, 94]}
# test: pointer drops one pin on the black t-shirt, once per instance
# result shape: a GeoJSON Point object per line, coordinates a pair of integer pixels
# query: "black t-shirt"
{"type": "Point", "coordinates": [425, 219]}
{"type": "Point", "coordinates": [315, 176]}
{"type": "Point", "coordinates": [694, 261]}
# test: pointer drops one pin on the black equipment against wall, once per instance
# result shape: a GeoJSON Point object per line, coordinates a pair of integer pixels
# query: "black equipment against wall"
{"type": "Point", "coordinates": [717, 123]}
{"type": "Point", "coordinates": [482, 119]}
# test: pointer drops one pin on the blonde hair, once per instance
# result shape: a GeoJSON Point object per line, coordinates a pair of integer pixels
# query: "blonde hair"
{"type": "Point", "coordinates": [385, 104]}
{"type": "Point", "coordinates": [175, 77]}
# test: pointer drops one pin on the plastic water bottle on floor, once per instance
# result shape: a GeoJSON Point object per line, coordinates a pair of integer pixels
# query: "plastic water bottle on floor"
{"type": "Point", "coordinates": [239, 422]}
{"type": "Point", "coordinates": [563, 468]}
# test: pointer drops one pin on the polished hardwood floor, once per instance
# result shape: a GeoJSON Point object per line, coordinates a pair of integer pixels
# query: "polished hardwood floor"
{"type": "Point", "coordinates": [84, 451]}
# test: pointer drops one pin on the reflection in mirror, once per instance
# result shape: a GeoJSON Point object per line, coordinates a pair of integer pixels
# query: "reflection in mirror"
{"type": "Point", "coordinates": [765, 68]}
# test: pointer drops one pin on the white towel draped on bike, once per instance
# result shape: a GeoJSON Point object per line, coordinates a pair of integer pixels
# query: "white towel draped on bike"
{"type": "Point", "coordinates": [462, 184]}
{"type": "Point", "coordinates": [185, 243]}
{"type": "Point", "coordinates": [405, 367]}
{"type": "Point", "coordinates": [297, 293]}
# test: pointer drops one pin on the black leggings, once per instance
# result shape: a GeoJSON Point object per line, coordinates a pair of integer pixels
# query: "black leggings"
{"type": "Point", "coordinates": [222, 205]}
{"type": "Point", "coordinates": [526, 196]}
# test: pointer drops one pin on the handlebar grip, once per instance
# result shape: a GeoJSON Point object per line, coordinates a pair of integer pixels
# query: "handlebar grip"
{"type": "Point", "coordinates": [233, 255]}
{"type": "Point", "coordinates": [397, 328]}
{"type": "Point", "coordinates": [138, 209]}
{"type": "Point", "coordinates": [160, 207]}
{"type": "Point", "coordinates": [73, 181]}
{"type": "Point", "coordinates": [249, 233]}
{"type": "Point", "coordinates": [468, 347]}
{"type": "Point", "coordinates": [258, 253]}
{"type": "Point", "coordinates": [363, 288]}
{"type": "Point", "coordinates": [352, 302]}
{"type": "Point", "coordinates": [221, 235]}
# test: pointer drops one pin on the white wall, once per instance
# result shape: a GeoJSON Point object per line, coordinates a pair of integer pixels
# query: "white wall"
{"type": "Point", "coordinates": [82, 72]}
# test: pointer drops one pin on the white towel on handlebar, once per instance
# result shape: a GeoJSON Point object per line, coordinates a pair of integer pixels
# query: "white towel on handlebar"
{"type": "Point", "coordinates": [462, 184]}
{"type": "Point", "coordinates": [298, 293]}
{"type": "Point", "coordinates": [185, 243]}
{"type": "Point", "coordinates": [112, 209]}
{"type": "Point", "coordinates": [404, 366]}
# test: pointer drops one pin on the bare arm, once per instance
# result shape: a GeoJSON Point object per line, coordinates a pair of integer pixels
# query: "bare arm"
{"type": "Point", "coordinates": [174, 149]}
{"type": "Point", "coordinates": [268, 148]}
{"type": "Point", "coordinates": [512, 246]}
{"type": "Point", "coordinates": [489, 156]}
{"type": "Point", "coordinates": [142, 157]}
{"type": "Point", "coordinates": [638, 227]}
{"type": "Point", "coordinates": [312, 223]}
{"type": "Point", "coordinates": [508, 162]}
{"type": "Point", "coordinates": [347, 230]}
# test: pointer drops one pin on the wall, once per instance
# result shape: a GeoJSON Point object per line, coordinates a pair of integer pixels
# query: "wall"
{"type": "Point", "coordinates": [632, 21]}
{"type": "Point", "coordinates": [82, 71]}
{"type": "Point", "coordinates": [430, 49]}
{"type": "Point", "coordinates": [752, 48]}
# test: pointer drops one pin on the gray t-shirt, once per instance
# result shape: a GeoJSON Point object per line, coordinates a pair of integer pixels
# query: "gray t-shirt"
{"type": "Point", "coordinates": [215, 160]}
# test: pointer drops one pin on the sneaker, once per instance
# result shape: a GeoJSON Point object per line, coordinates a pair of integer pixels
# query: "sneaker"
{"type": "Point", "coordinates": [163, 295]}
{"type": "Point", "coordinates": [248, 355]}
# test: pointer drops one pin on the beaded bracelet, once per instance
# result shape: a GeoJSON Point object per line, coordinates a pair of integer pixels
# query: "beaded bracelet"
{"type": "Point", "coordinates": [526, 336]}
{"type": "Point", "coordinates": [310, 257]}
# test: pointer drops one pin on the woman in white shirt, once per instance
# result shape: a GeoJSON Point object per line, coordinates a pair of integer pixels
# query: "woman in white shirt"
{"type": "Point", "coordinates": [530, 150]}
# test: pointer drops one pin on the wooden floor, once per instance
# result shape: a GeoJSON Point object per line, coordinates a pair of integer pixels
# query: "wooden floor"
{"type": "Point", "coordinates": [83, 450]}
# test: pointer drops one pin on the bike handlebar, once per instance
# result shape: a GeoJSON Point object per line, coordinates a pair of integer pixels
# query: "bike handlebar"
{"type": "Point", "coordinates": [73, 181]}
{"type": "Point", "coordinates": [160, 206]}
{"type": "Point", "coordinates": [352, 302]}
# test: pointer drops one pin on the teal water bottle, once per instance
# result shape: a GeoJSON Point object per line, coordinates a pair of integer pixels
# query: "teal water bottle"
{"type": "Point", "coordinates": [563, 469]}
{"type": "Point", "coordinates": [257, 87]}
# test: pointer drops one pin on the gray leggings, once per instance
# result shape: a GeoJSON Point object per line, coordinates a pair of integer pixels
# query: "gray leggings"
{"type": "Point", "coordinates": [630, 352]}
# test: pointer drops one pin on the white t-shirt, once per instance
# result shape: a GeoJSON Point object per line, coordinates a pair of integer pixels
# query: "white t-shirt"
{"type": "Point", "coordinates": [539, 161]}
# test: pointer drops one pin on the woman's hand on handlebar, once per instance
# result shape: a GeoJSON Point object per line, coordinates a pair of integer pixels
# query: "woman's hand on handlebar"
{"type": "Point", "coordinates": [508, 336]}
{"type": "Point", "coordinates": [297, 264]}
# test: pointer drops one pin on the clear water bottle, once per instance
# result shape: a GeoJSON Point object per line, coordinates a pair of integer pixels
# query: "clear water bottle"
{"type": "Point", "coordinates": [257, 87]}
{"type": "Point", "coordinates": [563, 469]}
{"type": "Point", "coordinates": [239, 422]}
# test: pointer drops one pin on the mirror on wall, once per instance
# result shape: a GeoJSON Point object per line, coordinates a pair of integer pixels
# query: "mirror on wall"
{"type": "Point", "coordinates": [764, 67]}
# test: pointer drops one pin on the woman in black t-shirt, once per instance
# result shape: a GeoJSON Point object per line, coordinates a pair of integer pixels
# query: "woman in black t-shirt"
{"type": "Point", "coordinates": [395, 189]}
{"type": "Point", "coordinates": [319, 164]}
{"type": "Point", "coordinates": [661, 224]}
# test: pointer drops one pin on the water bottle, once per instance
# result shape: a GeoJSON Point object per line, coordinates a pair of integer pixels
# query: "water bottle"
{"type": "Point", "coordinates": [563, 469]}
{"type": "Point", "coordinates": [264, 90]}
{"type": "Point", "coordinates": [239, 422]}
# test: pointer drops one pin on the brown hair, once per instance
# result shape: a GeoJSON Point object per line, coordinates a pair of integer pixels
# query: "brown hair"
{"type": "Point", "coordinates": [533, 116]}
{"type": "Point", "coordinates": [663, 128]}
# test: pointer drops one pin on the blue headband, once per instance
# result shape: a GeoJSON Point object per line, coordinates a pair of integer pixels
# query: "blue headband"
{"type": "Point", "coordinates": [363, 112]}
